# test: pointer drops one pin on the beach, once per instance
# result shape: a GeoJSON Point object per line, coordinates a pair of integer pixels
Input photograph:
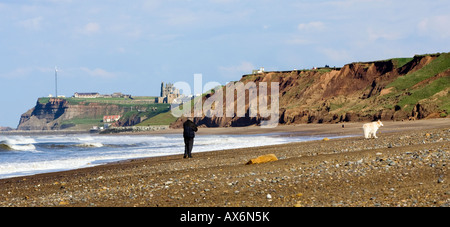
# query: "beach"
{"type": "Point", "coordinates": [406, 166]}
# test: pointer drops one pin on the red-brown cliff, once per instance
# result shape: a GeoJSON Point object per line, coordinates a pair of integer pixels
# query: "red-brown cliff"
{"type": "Point", "coordinates": [356, 92]}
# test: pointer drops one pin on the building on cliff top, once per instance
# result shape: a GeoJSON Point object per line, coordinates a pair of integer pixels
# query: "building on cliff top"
{"type": "Point", "coordinates": [256, 71]}
{"type": "Point", "coordinates": [97, 95]}
{"type": "Point", "coordinates": [86, 95]}
{"type": "Point", "coordinates": [168, 93]}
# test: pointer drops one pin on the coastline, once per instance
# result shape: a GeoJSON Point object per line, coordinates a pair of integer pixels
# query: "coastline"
{"type": "Point", "coordinates": [352, 128]}
{"type": "Point", "coordinates": [406, 166]}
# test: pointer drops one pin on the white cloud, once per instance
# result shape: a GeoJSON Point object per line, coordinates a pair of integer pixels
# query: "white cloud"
{"type": "Point", "coordinates": [336, 55]}
{"type": "Point", "coordinates": [32, 23]}
{"type": "Point", "coordinates": [121, 50]}
{"type": "Point", "coordinates": [238, 70]}
{"type": "Point", "coordinates": [151, 5]}
{"type": "Point", "coordinates": [224, 1]}
{"type": "Point", "coordinates": [126, 29]}
{"type": "Point", "coordinates": [90, 28]}
{"type": "Point", "coordinates": [98, 73]}
{"type": "Point", "coordinates": [181, 17]}
{"type": "Point", "coordinates": [311, 26]}
{"type": "Point", "coordinates": [16, 73]}
{"type": "Point", "coordinates": [298, 41]}
{"type": "Point", "coordinates": [352, 3]}
{"type": "Point", "coordinates": [375, 35]}
{"type": "Point", "coordinates": [24, 72]}
{"type": "Point", "coordinates": [59, 1]}
{"type": "Point", "coordinates": [436, 26]}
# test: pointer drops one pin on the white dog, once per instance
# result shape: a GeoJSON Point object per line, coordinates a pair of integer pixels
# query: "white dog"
{"type": "Point", "coordinates": [370, 129]}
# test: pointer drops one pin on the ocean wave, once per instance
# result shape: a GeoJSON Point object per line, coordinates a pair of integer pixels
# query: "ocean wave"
{"type": "Point", "coordinates": [68, 146]}
{"type": "Point", "coordinates": [90, 145]}
{"type": "Point", "coordinates": [5, 147]}
{"type": "Point", "coordinates": [14, 147]}
{"type": "Point", "coordinates": [56, 153]}
{"type": "Point", "coordinates": [84, 138]}
{"type": "Point", "coordinates": [19, 141]}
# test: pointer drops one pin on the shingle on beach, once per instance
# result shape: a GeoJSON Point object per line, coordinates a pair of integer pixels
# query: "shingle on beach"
{"type": "Point", "coordinates": [406, 166]}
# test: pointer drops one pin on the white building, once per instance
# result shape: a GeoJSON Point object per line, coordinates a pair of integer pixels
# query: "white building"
{"type": "Point", "coordinates": [86, 95]}
{"type": "Point", "coordinates": [256, 71]}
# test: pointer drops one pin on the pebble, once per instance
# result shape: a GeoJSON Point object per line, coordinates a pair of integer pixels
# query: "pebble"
{"type": "Point", "coordinates": [334, 179]}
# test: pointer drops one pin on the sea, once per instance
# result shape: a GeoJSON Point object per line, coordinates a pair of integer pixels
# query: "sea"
{"type": "Point", "coordinates": [22, 155]}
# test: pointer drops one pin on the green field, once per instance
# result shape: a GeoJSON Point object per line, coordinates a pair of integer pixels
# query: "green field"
{"type": "Point", "coordinates": [141, 107]}
{"type": "Point", "coordinates": [160, 119]}
{"type": "Point", "coordinates": [138, 100]}
{"type": "Point", "coordinates": [82, 123]}
{"type": "Point", "coordinates": [439, 65]}
{"type": "Point", "coordinates": [415, 84]}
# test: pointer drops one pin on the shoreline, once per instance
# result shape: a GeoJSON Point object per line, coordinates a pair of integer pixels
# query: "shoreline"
{"type": "Point", "coordinates": [382, 172]}
{"type": "Point", "coordinates": [308, 129]}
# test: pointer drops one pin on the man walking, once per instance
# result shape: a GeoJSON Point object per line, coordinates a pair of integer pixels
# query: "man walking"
{"type": "Point", "coordinates": [189, 134]}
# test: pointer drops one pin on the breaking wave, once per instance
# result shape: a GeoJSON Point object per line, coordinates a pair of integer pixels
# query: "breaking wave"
{"type": "Point", "coordinates": [21, 155]}
{"type": "Point", "coordinates": [5, 147]}
{"type": "Point", "coordinates": [17, 144]}
{"type": "Point", "coordinates": [90, 145]}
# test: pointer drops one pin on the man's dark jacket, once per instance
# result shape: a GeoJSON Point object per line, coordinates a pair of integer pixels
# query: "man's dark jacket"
{"type": "Point", "coordinates": [189, 129]}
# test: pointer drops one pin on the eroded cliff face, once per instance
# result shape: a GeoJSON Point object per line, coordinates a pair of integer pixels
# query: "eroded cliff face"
{"type": "Point", "coordinates": [356, 92]}
{"type": "Point", "coordinates": [42, 116]}
{"type": "Point", "coordinates": [51, 115]}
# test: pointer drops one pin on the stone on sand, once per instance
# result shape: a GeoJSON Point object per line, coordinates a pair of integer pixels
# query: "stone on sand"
{"type": "Point", "coordinates": [263, 159]}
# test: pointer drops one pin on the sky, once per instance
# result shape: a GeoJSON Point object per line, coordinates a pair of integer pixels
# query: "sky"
{"type": "Point", "coordinates": [109, 46]}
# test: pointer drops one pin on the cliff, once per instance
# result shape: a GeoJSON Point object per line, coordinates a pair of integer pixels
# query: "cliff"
{"type": "Point", "coordinates": [84, 113]}
{"type": "Point", "coordinates": [395, 89]}
{"type": "Point", "coordinates": [59, 114]}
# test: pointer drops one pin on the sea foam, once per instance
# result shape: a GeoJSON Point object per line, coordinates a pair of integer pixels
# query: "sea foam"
{"type": "Point", "coordinates": [22, 156]}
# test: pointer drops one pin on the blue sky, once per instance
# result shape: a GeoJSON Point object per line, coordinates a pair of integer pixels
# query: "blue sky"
{"type": "Point", "coordinates": [109, 46]}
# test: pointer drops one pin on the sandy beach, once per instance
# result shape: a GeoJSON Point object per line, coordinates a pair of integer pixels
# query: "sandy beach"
{"type": "Point", "coordinates": [406, 166]}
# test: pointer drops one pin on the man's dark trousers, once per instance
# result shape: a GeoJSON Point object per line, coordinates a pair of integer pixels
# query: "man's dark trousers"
{"type": "Point", "coordinates": [188, 145]}
{"type": "Point", "coordinates": [189, 129]}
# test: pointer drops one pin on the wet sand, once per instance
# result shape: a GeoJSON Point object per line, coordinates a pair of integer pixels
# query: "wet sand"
{"type": "Point", "coordinates": [406, 166]}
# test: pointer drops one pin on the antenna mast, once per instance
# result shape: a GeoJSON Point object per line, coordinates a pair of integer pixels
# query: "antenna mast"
{"type": "Point", "coordinates": [56, 82]}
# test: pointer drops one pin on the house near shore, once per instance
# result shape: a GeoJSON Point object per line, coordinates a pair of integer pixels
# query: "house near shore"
{"type": "Point", "coordinates": [111, 118]}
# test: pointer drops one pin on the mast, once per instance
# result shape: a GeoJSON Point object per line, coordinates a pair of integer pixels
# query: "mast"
{"type": "Point", "coordinates": [56, 82]}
